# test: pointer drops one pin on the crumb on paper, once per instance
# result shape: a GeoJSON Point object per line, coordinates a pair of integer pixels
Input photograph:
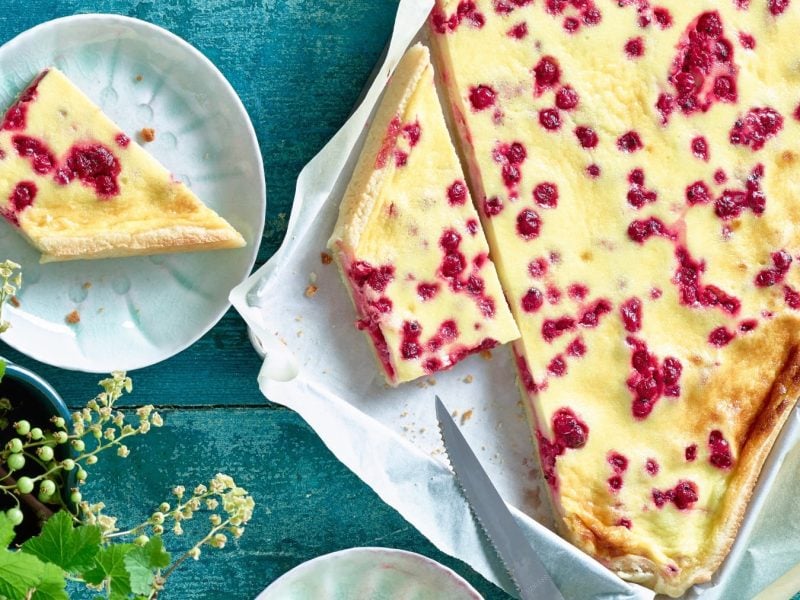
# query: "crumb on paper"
{"type": "Point", "coordinates": [87, 285]}
{"type": "Point", "coordinates": [468, 379]}
{"type": "Point", "coordinates": [466, 416]}
{"type": "Point", "coordinates": [14, 301]}
{"type": "Point", "coordinates": [73, 318]}
{"type": "Point", "coordinates": [139, 77]}
{"type": "Point", "coordinates": [148, 134]}
{"type": "Point", "coordinates": [325, 258]}
{"type": "Point", "coordinates": [486, 354]}
{"type": "Point", "coordinates": [311, 291]}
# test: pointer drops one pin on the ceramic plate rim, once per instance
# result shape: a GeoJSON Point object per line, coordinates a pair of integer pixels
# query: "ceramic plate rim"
{"type": "Point", "coordinates": [316, 561]}
{"type": "Point", "coordinates": [215, 316]}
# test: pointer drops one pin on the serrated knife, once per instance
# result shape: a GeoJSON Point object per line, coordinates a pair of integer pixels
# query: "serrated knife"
{"type": "Point", "coordinates": [517, 555]}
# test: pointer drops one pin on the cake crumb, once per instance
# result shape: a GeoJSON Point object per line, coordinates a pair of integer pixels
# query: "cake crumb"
{"type": "Point", "coordinates": [468, 379]}
{"type": "Point", "coordinates": [486, 354]}
{"type": "Point", "coordinates": [87, 285]}
{"type": "Point", "coordinates": [73, 318]}
{"type": "Point", "coordinates": [14, 301]}
{"type": "Point", "coordinates": [431, 381]}
{"type": "Point", "coordinates": [454, 414]}
{"type": "Point", "coordinates": [139, 77]}
{"type": "Point", "coordinates": [325, 258]}
{"type": "Point", "coordinates": [311, 290]}
{"type": "Point", "coordinates": [148, 134]}
{"type": "Point", "coordinates": [466, 416]}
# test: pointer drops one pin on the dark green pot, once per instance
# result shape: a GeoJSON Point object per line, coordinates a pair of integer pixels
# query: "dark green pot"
{"type": "Point", "coordinates": [34, 400]}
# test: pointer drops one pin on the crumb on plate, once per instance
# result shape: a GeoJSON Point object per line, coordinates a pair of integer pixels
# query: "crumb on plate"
{"type": "Point", "coordinates": [14, 301]}
{"type": "Point", "coordinates": [311, 290]}
{"type": "Point", "coordinates": [466, 416]}
{"type": "Point", "coordinates": [325, 258]}
{"type": "Point", "coordinates": [486, 354]}
{"type": "Point", "coordinates": [87, 285]}
{"type": "Point", "coordinates": [148, 134]}
{"type": "Point", "coordinates": [73, 318]}
{"type": "Point", "coordinates": [468, 379]}
{"type": "Point", "coordinates": [139, 77]}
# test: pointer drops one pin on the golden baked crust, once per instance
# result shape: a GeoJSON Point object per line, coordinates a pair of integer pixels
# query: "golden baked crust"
{"type": "Point", "coordinates": [408, 241]}
{"type": "Point", "coordinates": [646, 236]}
{"type": "Point", "coordinates": [79, 188]}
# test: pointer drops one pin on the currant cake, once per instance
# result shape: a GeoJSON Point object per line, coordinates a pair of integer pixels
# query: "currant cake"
{"type": "Point", "coordinates": [408, 241]}
{"type": "Point", "coordinates": [637, 171]}
{"type": "Point", "coordinates": [77, 187]}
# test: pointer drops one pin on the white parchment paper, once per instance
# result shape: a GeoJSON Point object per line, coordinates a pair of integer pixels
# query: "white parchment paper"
{"type": "Point", "coordinates": [319, 365]}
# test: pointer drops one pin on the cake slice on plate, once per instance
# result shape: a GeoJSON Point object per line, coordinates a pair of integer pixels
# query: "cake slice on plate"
{"type": "Point", "coordinates": [637, 169]}
{"type": "Point", "coordinates": [77, 187]}
{"type": "Point", "coordinates": [408, 241]}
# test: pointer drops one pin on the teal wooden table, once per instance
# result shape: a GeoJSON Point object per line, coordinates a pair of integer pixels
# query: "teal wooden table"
{"type": "Point", "coordinates": [298, 66]}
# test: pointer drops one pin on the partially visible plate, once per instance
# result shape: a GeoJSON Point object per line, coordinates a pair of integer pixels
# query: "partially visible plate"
{"type": "Point", "coordinates": [370, 574]}
{"type": "Point", "coordinates": [135, 312]}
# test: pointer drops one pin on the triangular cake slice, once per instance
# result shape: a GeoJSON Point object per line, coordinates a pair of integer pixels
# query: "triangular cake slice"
{"type": "Point", "coordinates": [77, 187]}
{"type": "Point", "coordinates": [408, 240]}
{"type": "Point", "coordinates": [647, 237]}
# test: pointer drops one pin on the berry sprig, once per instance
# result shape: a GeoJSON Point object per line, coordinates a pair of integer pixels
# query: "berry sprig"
{"type": "Point", "coordinates": [95, 429]}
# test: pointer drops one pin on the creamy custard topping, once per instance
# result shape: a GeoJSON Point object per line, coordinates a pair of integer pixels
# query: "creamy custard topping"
{"type": "Point", "coordinates": [78, 187]}
{"type": "Point", "coordinates": [637, 172]}
{"type": "Point", "coordinates": [409, 242]}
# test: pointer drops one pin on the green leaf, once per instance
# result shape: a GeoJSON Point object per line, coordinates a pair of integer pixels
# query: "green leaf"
{"type": "Point", "coordinates": [20, 573]}
{"type": "Point", "coordinates": [2, 368]}
{"type": "Point", "coordinates": [142, 562]}
{"type": "Point", "coordinates": [6, 530]}
{"type": "Point", "coordinates": [72, 549]}
{"type": "Point", "coordinates": [109, 564]}
{"type": "Point", "coordinates": [52, 584]}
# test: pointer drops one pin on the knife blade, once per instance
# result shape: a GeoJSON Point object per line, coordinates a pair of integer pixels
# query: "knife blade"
{"type": "Point", "coordinates": [519, 558]}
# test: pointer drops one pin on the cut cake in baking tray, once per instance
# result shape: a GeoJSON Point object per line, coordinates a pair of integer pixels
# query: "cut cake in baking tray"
{"type": "Point", "coordinates": [636, 170]}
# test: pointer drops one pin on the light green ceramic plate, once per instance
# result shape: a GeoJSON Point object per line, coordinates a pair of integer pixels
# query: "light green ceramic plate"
{"type": "Point", "coordinates": [138, 311]}
{"type": "Point", "coordinates": [370, 574]}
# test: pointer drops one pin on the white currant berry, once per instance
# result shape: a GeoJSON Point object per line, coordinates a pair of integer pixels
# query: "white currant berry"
{"type": "Point", "coordinates": [22, 427]}
{"type": "Point", "coordinates": [15, 445]}
{"type": "Point", "coordinates": [25, 485]}
{"type": "Point", "coordinates": [36, 433]}
{"type": "Point", "coordinates": [47, 487]}
{"type": "Point", "coordinates": [68, 464]}
{"type": "Point", "coordinates": [14, 515]}
{"type": "Point", "coordinates": [45, 453]}
{"type": "Point", "coordinates": [16, 462]}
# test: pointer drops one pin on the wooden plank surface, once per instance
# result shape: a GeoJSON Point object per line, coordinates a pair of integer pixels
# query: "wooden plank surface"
{"type": "Point", "coordinates": [298, 66]}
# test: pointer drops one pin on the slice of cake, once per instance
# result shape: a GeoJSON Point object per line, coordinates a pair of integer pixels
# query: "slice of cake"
{"type": "Point", "coordinates": [408, 241]}
{"type": "Point", "coordinates": [637, 171]}
{"type": "Point", "coordinates": [77, 187]}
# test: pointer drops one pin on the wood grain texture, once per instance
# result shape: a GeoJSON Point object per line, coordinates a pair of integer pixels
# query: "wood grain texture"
{"type": "Point", "coordinates": [298, 65]}
{"type": "Point", "coordinates": [308, 503]}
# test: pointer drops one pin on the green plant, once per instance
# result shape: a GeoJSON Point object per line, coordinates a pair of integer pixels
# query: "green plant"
{"type": "Point", "coordinates": [86, 546]}
{"type": "Point", "coordinates": [11, 277]}
{"type": "Point", "coordinates": [79, 542]}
